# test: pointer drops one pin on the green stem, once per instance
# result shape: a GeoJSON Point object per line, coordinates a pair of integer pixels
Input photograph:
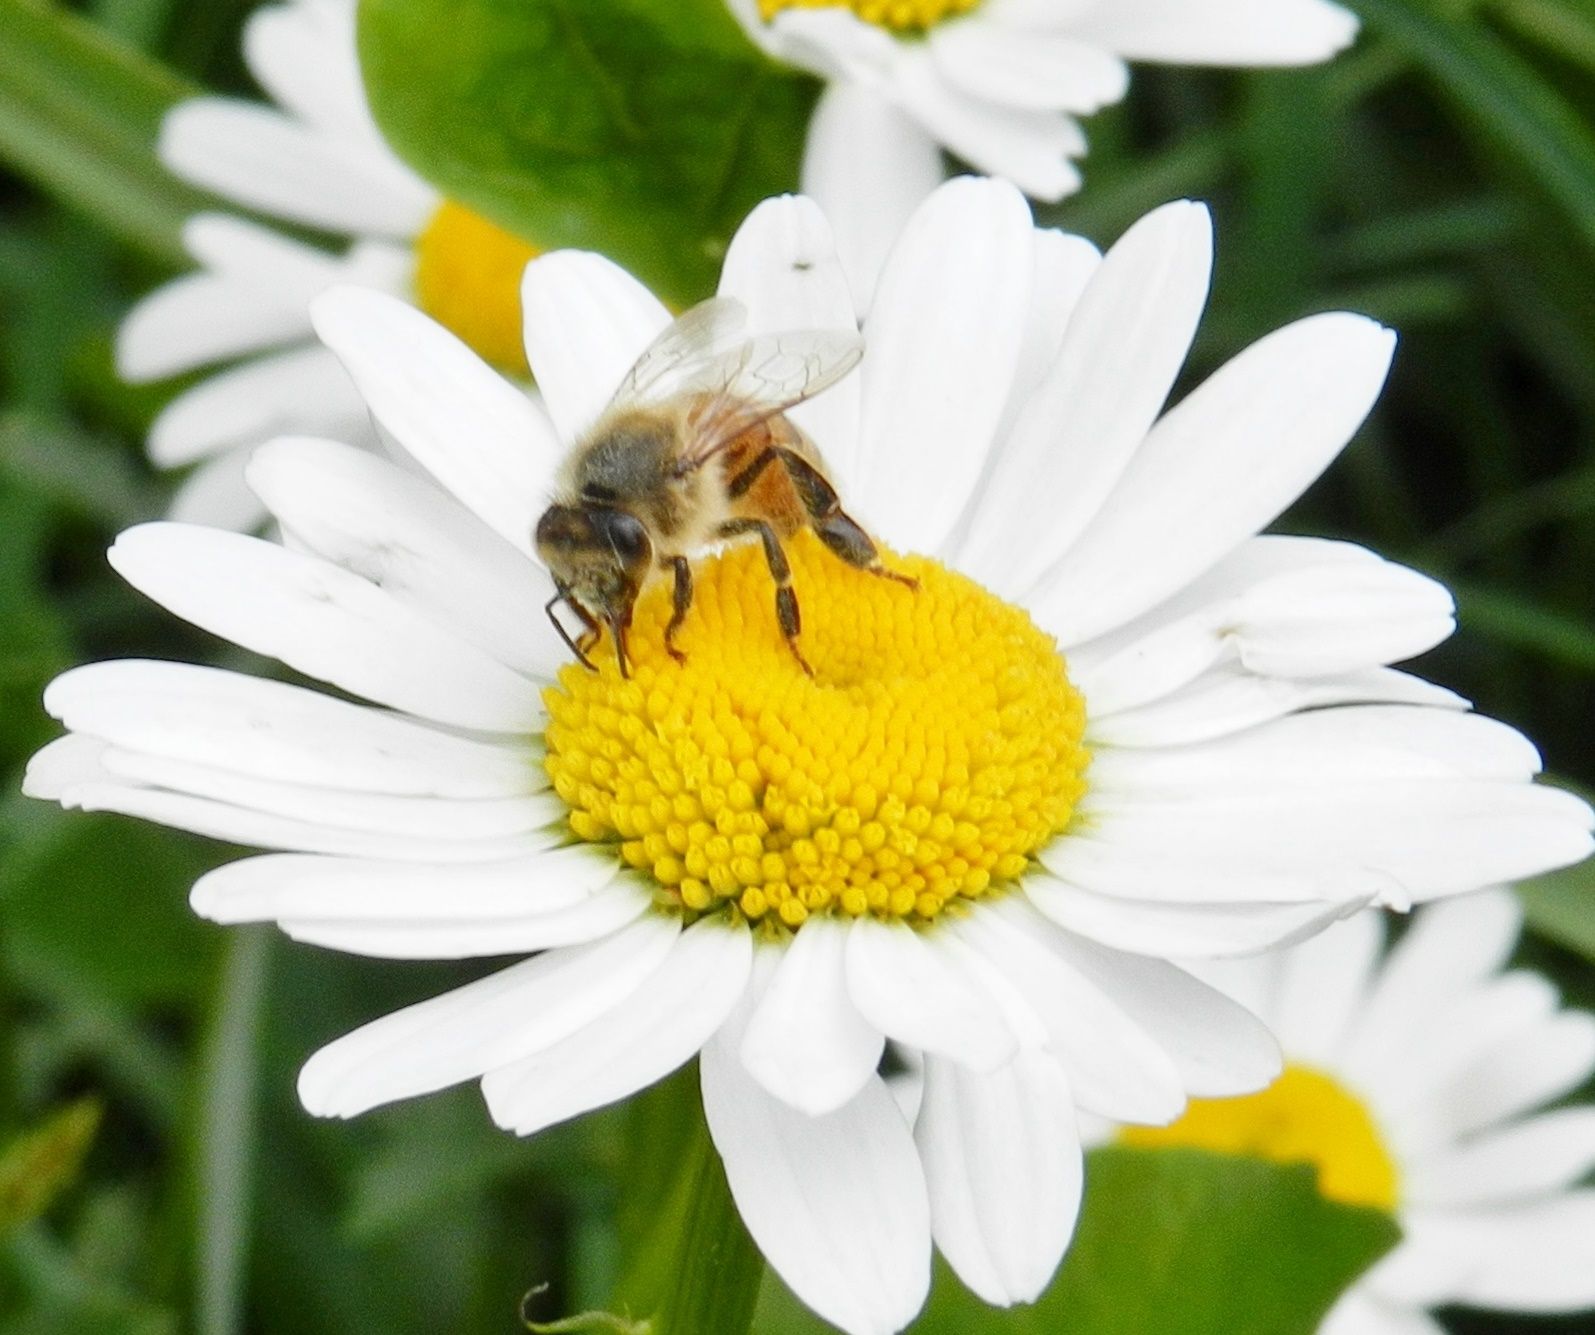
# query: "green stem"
{"type": "Point", "coordinates": [227, 1134]}
{"type": "Point", "coordinates": [692, 1266]}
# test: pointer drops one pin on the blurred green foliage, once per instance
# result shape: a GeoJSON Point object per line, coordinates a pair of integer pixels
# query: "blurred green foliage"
{"type": "Point", "coordinates": [1440, 177]}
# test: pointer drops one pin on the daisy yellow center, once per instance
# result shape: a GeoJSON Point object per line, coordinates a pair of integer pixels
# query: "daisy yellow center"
{"type": "Point", "coordinates": [1303, 1117]}
{"type": "Point", "coordinates": [936, 747]}
{"type": "Point", "coordinates": [910, 16]}
{"type": "Point", "coordinates": [468, 278]}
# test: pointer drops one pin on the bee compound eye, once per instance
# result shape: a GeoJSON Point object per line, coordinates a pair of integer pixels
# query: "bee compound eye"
{"type": "Point", "coordinates": [627, 537]}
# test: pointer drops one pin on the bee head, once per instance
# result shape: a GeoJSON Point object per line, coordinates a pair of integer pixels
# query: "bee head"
{"type": "Point", "coordinates": [599, 556]}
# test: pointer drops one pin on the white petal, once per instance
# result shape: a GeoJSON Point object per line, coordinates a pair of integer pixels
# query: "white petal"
{"type": "Point", "coordinates": [276, 731]}
{"type": "Point", "coordinates": [1218, 468]}
{"type": "Point", "coordinates": [479, 435]}
{"type": "Point", "coordinates": [1226, 700]}
{"type": "Point", "coordinates": [258, 157]}
{"type": "Point", "coordinates": [324, 622]}
{"type": "Point", "coordinates": [1030, 148]}
{"type": "Point", "coordinates": [446, 937]}
{"type": "Point", "coordinates": [202, 317]}
{"type": "Point", "coordinates": [587, 322]}
{"type": "Point", "coordinates": [304, 55]}
{"type": "Point", "coordinates": [1428, 837]}
{"type": "Point", "coordinates": [255, 293]}
{"type": "Point", "coordinates": [1114, 1067]}
{"type": "Point", "coordinates": [1542, 1154]}
{"type": "Point", "coordinates": [1218, 1047]}
{"type": "Point", "coordinates": [1295, 607]}
{"type": "Point", "coordinates": [662, 1025]}
{"type": "Point", "coordinates": [1212, 928]}
{"type": "Point", "coordinates": [262, 889]}
{"type": "Point", "coordinates": [302, 389]}
{"type": "Point", "coordinates": [215, 494]}
{"type": "Point", "coordinates": [1353, 744]}
{"type": "Point", "coordinates": [1535, 1257]}
{"type": "Point", "coordinates": [1144, 860]}
{"type": "Point", "coordinates": [1322, 985]}
{"type": "Point", "coordinates": [1042, 71]}
{"type": "Point", "coordinates": [869, 166]}
{"type": "Point", "coordinates": [492, 1022]}
{"type": "Point", "coordinates": [943, 341]}
{"type": "Point", "coordinates": [836, 1203]}
{"type": "Point", "coordinates": [1125, 343]}
{"type": "Point", "coordinates": [1414, 1096]}
{"type": "Point", "coordinates": [1064, 268]}
{"type": "Point", "coordinates": [1525, 1072]}
{"type": "Point", "coordinates": [1003, 1166]}
{"type": "Point", "coordinates": [806, 1042]}
{"type": "Point", "coordinates": [411, 539]}
{"type": "Point", "coordinates": [241, 825]}
{"type": "Point", "coordinates": [381, 813]}
{"type": "Point", "coordinates": [908, 989]}
{"type": "Point", "coordinates": [1360, 1311]}
{"type": "Point", "coordinates": [782, 265]}
{"type": "Point", "coordinates": [1449, 949]}
{"type": "Point", "coordinates": [1220, 32]}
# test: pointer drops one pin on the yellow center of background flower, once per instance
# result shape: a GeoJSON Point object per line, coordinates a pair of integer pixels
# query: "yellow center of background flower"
{"type": "Point", "coordinates": [911, 16]}
{"type": "Point", "coordinates": [935, 749]}
{"type": "Point", "coordinates": [1303, 1117]}
{"type": "Point", "coordinates": [468, 278]}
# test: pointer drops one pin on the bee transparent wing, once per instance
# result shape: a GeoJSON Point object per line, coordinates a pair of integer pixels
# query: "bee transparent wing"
{"type": "Point", "coordinates": [694, 339]}
{"type": "Point", "coordinates": [759, 378]}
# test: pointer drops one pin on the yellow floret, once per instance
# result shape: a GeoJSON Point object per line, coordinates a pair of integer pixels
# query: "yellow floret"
{"type": "Point", "coordinates": [848, 792]}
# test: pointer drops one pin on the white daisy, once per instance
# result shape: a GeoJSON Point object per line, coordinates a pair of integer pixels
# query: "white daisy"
{"type": "Point", "coordinates": [315, 159]}
{"type": "Point", "coordinates": [1415, 1084]}
{"type": "Point", "coordinates": [908, 846]}
{"type": "Point", "coordinates": [999, 83]}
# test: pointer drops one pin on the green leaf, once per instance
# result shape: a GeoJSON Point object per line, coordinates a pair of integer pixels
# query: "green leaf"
{"type": "Point", "coordinates": [36, 1167]}
{"type": "Point", "coordinates": [1171, 1242]}
{"type": "Point", "coordinates": [642, 130]}
{"type": "Point", "coordinates": [79, 115]}
{"type": "Point", "coordinates": [1502, 96]}
{"type": "Point", "coordinates": [97, 908]}
{"type": "Point", "coordinates": [1515, 619]}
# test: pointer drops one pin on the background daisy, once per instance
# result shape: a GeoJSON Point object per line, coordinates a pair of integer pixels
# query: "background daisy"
{"type": "Point", "coordinates": [997, 83]}
{"type": "Point", "coordinates": [753, 847]}
{"type": "Point", "coordinates": [1417, 1081]}
{"type": "Point", "coordinates": [314, 160]}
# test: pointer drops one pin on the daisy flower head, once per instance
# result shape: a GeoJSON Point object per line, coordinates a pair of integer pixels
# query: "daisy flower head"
{"type": "Point", "coordinates": [998, 83]}
{"type": "Point", "coordinates": [314, 159]}
{"type": "Point", "coordinates": [1102, 724]}
{"type": "Point", "coordinates": [1415, 1082]}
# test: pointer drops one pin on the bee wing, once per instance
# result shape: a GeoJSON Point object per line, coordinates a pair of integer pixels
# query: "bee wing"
{"type": "Point", "coordinates": [759, 378]}
{"type": "Point", "coordinates": [692, 340]}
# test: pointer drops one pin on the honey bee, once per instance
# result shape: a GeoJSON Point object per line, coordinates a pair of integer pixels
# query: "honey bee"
{"type": "Point", "coordinates": [695, 449]}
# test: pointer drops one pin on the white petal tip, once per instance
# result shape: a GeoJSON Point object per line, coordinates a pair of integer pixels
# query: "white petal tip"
{"type": "Point", "coordinates": [345, 308]}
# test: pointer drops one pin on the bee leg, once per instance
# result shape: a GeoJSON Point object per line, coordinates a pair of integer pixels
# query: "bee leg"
{"type": "Point", "coordinates": [832, 524]}
{"type": "Point", "coordinates": [683, 600]}
{"type": "Point", "coordinates": [786, 603]}
{"type": "Point", "coordinates": [590, 632]}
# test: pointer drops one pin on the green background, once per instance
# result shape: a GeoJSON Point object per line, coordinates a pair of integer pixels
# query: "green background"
{"type": "Point", "coordinates": [156, 1174]}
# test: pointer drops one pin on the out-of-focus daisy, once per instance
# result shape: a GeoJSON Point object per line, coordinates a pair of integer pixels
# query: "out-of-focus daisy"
{"type": "Point", "coordinates": [999, 83]}
{"type": "Point", "coordinates": [950, 837]}
{"type": "Point", "coordinates": [1415, 1084]}
{"type": "Point", "coordinates": [315, 159]}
